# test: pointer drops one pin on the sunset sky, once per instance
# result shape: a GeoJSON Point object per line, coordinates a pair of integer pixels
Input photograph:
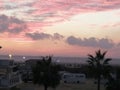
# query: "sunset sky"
{"type": "Point", "coordinates": [60, 27]}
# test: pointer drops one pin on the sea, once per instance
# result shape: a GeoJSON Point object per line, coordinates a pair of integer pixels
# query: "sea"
{"type": "Point", "coordinates": [58, 59]}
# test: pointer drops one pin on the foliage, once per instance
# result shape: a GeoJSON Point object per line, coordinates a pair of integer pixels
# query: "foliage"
{"type": "Point", "coordinates": [45, 73]}
{"type": "Point", "coordinates": [113, 84]}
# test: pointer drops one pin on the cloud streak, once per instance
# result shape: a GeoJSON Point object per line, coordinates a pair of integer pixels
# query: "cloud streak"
{"type": "Point", "coordinates": [90, 42]}
{"type": "Point", "coordinates": [64, 9]}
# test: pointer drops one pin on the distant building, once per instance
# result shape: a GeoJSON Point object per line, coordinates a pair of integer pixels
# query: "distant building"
{"type": "Point", "coordinates": [69, 64]}
{"type": "Point", "coordinates": [9, 74]}
{"type": "Point", "coordinates": [26, 69]}
{"type": "Point", "coordinates": [72, 65]}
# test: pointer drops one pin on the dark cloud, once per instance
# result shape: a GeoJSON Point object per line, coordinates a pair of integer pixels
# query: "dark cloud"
{"type": "Point", "coordinates": [38, 36]}
{"type": "Point", "coordinates": [11, 24]}
{"type": "Point", "coordinates": [91, 42]}
{"type": "Point", "coordinates": [57, 36]}
{"type": "Point", "coordinates": [41, 36]}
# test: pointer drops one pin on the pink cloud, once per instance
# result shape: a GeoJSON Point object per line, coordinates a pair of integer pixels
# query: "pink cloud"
{"type": "Point", "coordinates": [116, 24]}
{"type": "Point", "coordinates": [64, 9]}
{"type": "Point", "coordinates": [41, 13]}
{"type": "Point", "coordinates": [111, 25]}
{"type": "Point", "coordinates": [36, 26]}
{"type": "Point", "coordinates": [1, 3]}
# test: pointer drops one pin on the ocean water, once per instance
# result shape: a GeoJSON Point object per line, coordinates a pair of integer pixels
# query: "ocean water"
{"type": "Point", "coordinates": [79, 60]}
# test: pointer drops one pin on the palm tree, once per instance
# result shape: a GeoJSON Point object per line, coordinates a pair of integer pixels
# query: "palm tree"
{"type": "Point", "coordinates": [99, 65]}
{"type": "Point", "coordinates": [46, 74]}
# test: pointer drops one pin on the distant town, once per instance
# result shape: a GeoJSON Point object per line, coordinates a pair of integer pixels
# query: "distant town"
{"type": "Point", "coordinates": [16, 75]}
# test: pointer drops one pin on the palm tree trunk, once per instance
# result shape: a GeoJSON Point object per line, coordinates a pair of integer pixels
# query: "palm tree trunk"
{"type": "Point", "coordinates": [45, 87]}
{"type": "Point", "coordinates": [98, 83]}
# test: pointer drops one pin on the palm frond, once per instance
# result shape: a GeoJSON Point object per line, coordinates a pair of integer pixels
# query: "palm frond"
{"type": "Point", "coordinates": [91, 57]}
{"type": "Point", "coordinates": [103, 55]}
{"type": "Point", "coordinates": [90, 62]}
{"type": "Point", "coordinates": [98, 53]}
{"type": "Point", "coordinates": [106, 61]}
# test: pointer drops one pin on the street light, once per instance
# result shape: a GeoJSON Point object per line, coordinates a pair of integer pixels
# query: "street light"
{"type": "Point", "coordinates": [24, 58]}
{"type": "Point", "coordinates": [10, 56]}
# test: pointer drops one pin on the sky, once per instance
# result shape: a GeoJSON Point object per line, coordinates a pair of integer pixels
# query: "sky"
{"type": "Point", "coordinates": [60, 27]}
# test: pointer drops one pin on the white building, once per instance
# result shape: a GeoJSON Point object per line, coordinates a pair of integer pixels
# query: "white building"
{"type": "Point", "coordinates": [9, 74]}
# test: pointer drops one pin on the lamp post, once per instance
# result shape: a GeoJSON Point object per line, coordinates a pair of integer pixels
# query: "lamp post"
{"type": "Point", "coordinates": [10, 56]}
